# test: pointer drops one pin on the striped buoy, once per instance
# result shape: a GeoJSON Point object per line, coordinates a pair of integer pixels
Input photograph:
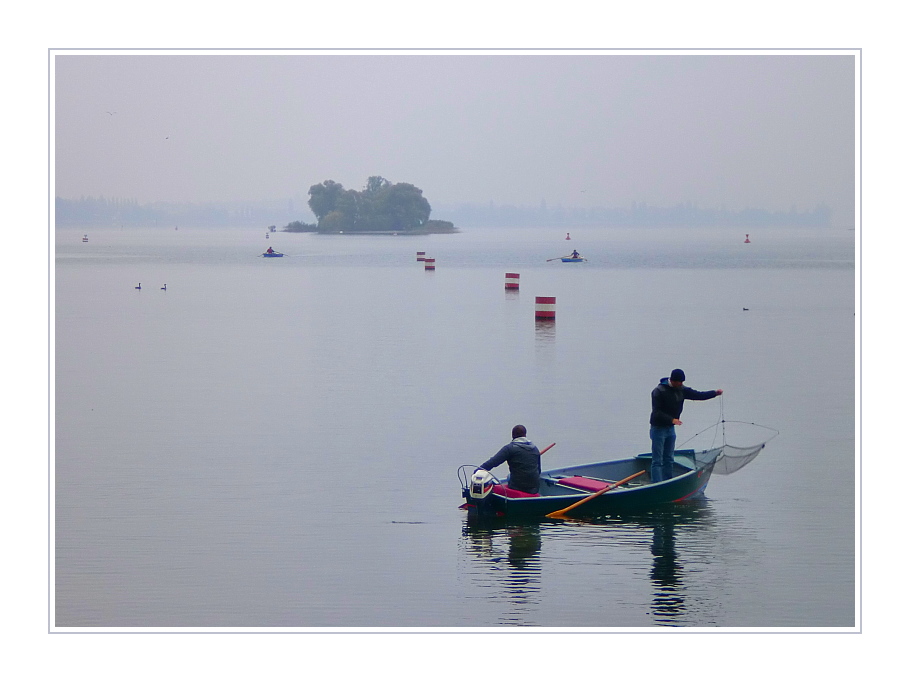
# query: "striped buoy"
{"type": "Point", "coordinates": [421, 256]}
{"type": "Point", "coordinates": [511, 280]}
{"type": "Point", "coordinates": [545, 308]}
{"type": "Point", "coordinates": [429, 263]}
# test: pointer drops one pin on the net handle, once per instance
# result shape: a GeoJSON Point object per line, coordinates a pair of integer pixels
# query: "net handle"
{"type": "Point", "coordinates": [722, 422]}
{"type": "Point", "coordinates": [731, 421]}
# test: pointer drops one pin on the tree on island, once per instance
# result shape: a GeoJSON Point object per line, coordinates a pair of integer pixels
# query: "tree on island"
{"type": "Point", "coordinates": [379, 207]}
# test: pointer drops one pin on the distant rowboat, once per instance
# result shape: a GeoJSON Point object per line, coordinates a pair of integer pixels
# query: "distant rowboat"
{"type": "Point", "coordinates": [273, 254]}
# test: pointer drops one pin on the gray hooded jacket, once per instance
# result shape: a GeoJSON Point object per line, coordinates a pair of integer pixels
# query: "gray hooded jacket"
{"type": "Point", "coordinates": [524, 464]}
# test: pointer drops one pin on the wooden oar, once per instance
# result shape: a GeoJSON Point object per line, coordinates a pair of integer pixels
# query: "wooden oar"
{"type": "Point", "coordinates": [562, 512]}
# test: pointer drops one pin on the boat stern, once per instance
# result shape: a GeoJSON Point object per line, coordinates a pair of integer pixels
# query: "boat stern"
{"type": "Point", "coordinates": [479, 500]}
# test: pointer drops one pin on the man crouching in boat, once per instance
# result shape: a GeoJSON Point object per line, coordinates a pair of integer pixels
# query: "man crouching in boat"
{"type": "Point", "coordinates": [524, 462]}
{"type": "Point", "coordinates": [666, 408]}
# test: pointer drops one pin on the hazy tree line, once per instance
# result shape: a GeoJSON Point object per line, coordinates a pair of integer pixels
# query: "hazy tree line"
{"type": "Point", "coordinates": [636, 215]}
{"type": "Point", "coordinates": [101, 212]}
{"type": "Point", "coordinates": [380, 207]}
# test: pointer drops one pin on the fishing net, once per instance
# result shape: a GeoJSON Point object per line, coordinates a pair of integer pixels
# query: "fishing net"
{"type": "Point", "coordinates": [734, 458]}
{"type": "Point", "coordinates": [728, 458]}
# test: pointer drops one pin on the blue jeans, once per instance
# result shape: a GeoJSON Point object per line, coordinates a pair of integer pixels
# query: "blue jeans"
{"type": "Point", "coordinates": [663, 444]}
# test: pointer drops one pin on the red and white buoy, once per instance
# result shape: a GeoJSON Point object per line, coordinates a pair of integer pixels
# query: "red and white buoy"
{"type": "Point", "coordinates": [567, 236]}
{"type": "Point", "coordinates": [511, 280]}
{"type": "Point", "coordinates": [545, 308]}
{"type": "Point", "coordinates": [421, 256]}
{"type": "Point", "coordinates": [747, 240]}
{"type": "Point", "coordinates": [429, 263]}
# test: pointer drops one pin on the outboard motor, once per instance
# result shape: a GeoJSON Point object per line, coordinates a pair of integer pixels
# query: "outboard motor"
{"type": "Point", "coordinates": [481, 485]}
{"type": "Point", "coordinates": [478, 500]}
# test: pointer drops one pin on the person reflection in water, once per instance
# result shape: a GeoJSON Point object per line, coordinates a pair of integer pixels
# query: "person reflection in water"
{"type": "Point", "coordinates": [668, 602]}
{"type": "Point", "coordinates": [524, 548]}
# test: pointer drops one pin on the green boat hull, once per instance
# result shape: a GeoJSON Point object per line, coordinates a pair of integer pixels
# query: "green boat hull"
{"type": "Point", "coordinates": [692, 471]}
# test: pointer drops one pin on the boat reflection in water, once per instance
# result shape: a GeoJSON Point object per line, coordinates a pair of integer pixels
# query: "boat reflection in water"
{"type": "Point", "coordinates": [582, 573]}
{"type": "Point", "coordinates": [511, 588]}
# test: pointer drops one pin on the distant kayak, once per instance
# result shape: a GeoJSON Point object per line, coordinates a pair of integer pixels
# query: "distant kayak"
{"type": "Point", "coordinates": [274, 254]}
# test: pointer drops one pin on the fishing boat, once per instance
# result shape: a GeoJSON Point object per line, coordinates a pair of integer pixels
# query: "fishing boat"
{"type": "Point", "coordinates": [273, 254]}
{"type": "Point", "coordinates": [600, 488]}
{"type": "Point", "coordinates": [570, 259]}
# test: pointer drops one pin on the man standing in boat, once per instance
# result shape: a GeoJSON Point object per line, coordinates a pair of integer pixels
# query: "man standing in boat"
{"type": "Point", "coordinates": [524, 461]}
{"type": "Point", "coordinates": [666, 407]}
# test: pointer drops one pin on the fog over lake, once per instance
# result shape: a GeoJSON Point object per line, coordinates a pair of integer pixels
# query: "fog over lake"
{"type": "Point", "coordinates": [243, 444]}
{"type": "Point", "coordinates": [274, 442]}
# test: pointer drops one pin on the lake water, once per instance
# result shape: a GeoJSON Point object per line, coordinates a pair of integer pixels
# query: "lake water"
{"type": "Point", "coordinates": [273, 443]}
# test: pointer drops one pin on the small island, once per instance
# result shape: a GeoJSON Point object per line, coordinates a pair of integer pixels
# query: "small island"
{"type": "Point", "coordinates": [380, 208]}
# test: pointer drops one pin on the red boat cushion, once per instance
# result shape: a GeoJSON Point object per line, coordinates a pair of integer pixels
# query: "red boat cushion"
{"type": "Point", "coordinates": [509, 492]}
{"type": "Point", "coordinates": [584, 483]}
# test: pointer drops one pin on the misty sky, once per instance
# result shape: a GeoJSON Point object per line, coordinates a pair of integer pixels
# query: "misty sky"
{"type": "Point", "coordinates": [770, 131]}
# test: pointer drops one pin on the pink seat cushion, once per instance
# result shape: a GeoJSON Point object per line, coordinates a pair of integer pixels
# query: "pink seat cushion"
{"type": "Point", "coordinates": [584, 483]}
{"type": "Point", "coordinates": [509, 492]}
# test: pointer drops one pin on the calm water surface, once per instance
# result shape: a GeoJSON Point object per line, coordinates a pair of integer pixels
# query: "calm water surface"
{"type": "Point", "coordinates": [274, 442]}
